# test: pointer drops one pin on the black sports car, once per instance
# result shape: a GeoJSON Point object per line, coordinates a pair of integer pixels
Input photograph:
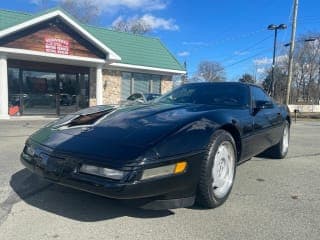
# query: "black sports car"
{"type": "Point", "coordinates": [180, 148]}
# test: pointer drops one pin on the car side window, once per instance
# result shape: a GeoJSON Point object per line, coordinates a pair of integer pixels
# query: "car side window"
{"type": "Point", "coordinates": [260, 98]}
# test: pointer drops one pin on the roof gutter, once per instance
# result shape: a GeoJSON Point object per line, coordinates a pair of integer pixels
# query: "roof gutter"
{"type": "Point", "coordinates": [146, 68]}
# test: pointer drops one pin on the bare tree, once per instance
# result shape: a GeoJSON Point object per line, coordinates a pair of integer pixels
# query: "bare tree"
{"type": "Point", "coordinates": [211, 71]}
{"type": "Point", "coordinates": [247, 78]}
{"type": "Point", "coordinates": [306, 72]}
{"type": "Point", "coordinates": [86, 11]}
{"type": "Point", "coordinates": [135, 26]}
{"type": "Point", "coordinates": [306, 77]}
{"type": "Point", "coordinates": [280, 74]}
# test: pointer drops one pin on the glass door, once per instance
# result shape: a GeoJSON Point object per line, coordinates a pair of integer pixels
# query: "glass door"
{"type": "Point", "coordinates": [39, 92]}
{"type": "Point", "coordinates": [73, 94]}
{"type": "Point", "coordinates": [44, 89]}
{"type": "Point", "coordinates": [68, 91]}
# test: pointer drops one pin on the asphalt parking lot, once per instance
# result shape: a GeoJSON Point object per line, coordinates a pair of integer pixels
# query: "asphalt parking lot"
{"type": "Point", "coordinates": [271, 199]}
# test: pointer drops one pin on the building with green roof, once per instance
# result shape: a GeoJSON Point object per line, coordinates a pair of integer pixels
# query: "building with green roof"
{"type": "Point", "coordinates": [52, 64]}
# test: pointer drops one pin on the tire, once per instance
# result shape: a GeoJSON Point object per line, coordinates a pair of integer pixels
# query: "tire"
{"type": "Point", "coordinates": [217, 171]}
{"type": "Point", "coordinates": [280, 150]}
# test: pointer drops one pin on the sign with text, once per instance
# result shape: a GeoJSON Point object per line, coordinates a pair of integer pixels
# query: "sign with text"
{"type": "Point", "coordinates": [57, 46]}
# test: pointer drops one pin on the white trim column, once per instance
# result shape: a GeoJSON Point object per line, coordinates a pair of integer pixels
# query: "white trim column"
{"type": "Point", "coordinates": [99, 85]}
{"type": "Point", "coordinates": [3, 88]}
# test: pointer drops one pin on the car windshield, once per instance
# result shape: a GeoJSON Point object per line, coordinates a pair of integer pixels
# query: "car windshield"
{"type": "Point", "coordinates": [209, 94]}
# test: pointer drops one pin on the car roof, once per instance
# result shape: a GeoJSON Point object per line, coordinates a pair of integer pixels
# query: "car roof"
{"type": "Point", "coordinates": [224, 83]}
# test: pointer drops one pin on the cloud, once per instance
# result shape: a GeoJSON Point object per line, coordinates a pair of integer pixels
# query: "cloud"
{"type": "Point", "coordinates": [117, 20]}
{"type": "Point", "coordinates": [152, 21]}
{"type": "Point", "coordinates": [262, 61]}
{"type": "Point", "coordinates": [267, 61]}
{"type": "Point", "coordinates": [110, 5]}
{"type": "Point", "coordinates": [183, 54]}
{"type": "Point", "coordinates": [146, 5]}
{"type": "Point", "coordinates": [261, 70]}
{"type": "Point", "coordinates": [160, 23]}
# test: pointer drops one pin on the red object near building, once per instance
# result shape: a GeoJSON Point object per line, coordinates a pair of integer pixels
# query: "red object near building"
{"type": "Point", "coordinates": [14, 110]}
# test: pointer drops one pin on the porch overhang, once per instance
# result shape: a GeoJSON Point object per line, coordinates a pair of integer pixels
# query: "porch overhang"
{"type": "Point", "coordinates": [37, 56]}
{"type": "Point", "coordinates": [111, 55]}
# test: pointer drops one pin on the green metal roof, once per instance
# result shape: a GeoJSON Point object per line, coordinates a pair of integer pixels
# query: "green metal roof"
{"type": "Point", "coordinates": [133, 49]}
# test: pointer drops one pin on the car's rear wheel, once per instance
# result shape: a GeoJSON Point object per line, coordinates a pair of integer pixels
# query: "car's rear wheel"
{"type": "Point", "coordinates": [217, 171]}
{"type": "Point", "coordinates": [280, 150]}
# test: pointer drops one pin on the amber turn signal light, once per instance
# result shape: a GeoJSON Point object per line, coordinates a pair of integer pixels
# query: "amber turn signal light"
{"type": "Point", "coordinates": [180, 167]}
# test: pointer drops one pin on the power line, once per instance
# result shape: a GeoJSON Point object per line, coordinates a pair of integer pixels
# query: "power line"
{"type": "Point", "coordinates": [240, 61]}
{"type": "Point", "coordinates": [247, 58]}
{"type": "Point", "coordinates": [248, 48]}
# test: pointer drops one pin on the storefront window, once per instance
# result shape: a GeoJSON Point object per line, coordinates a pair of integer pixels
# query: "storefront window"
{"type": "Point", "coordinates": [126, 81]}
{"type": "Point", "coordinates": [14, 91]}
{"type": "Point", "coordinates": [139, 83]}
{"type": "Point", "coordinates": [156, 84]}
{"type": "Point", "coordinates": [40, 92]}
{"type": "Point", "coordinates": [34, 92]}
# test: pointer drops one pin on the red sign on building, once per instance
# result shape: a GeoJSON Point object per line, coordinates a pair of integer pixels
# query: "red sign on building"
{"type": "Point", "coordinates": [57, 46]}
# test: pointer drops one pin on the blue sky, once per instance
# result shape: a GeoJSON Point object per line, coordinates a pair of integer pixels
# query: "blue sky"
{"type": "Point", "coordinates": [232, 32]}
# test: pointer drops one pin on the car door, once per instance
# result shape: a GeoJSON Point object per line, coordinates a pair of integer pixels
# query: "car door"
{"type": "Point", "coordinates": [266, 120]}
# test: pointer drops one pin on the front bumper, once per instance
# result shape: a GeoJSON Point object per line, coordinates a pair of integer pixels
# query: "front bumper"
{"type": "Point", "coordinates": [170, 191]}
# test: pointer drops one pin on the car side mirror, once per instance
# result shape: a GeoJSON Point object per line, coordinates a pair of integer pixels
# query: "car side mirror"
{"type": "Point", "coordinates": [259, 105]}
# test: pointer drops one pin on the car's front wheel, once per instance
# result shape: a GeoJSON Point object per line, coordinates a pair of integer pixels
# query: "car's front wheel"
{"type": "Point", "coordinates": [217, 171]}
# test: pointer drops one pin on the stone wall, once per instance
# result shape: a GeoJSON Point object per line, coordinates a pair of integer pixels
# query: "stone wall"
{"type": "Point", "coordinates": [111, 86]}
{"type": "Point", "coordinates": [166, 84]}
{"type": "Point", "coordinates": [304, 108]}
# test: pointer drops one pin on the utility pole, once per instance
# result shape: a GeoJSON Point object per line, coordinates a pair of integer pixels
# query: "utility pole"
{"type": "Point", "coordinates": [291, 51]}
{"type": "Point", "coordinates": [185, 76]}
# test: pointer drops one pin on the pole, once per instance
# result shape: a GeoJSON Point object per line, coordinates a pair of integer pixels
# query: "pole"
{"type": "Point", "coordinates": [293, 37]}
{"type": "Point", "coordinates": [273, 62]}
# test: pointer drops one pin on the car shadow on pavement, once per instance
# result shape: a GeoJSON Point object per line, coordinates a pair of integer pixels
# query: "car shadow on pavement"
{"type": "Point", "coordinates": [74, 204]}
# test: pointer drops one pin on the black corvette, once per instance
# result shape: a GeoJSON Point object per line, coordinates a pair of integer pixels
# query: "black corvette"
{"type": "Point", "coordinates": [180, 148]}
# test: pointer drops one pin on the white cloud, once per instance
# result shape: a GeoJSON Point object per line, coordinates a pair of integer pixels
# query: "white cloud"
{"type": "Point", "coordinates": [152, 21]}
{"type": "Point", "coordinates": [147, 5]}
{"type": "Point", "coordinates": [261, 70]}
{"type": "Point", "coordinates": [183, 54]}
{"type": "Point", "coordinates": [262, 61]}
{"type": "Point", "coordinates": [117, 20]}
{"type": "Point", "coordinates": [111, 5]}
{"type": "Point", "coordinates": [160, 23]}
{"type": "Point", "coordinates": [267, 61]}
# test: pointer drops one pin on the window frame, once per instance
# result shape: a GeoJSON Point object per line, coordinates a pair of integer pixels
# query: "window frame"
{"type": "Point", "coordinates": [253, 101]}
{"type": "Point", "coordinates": [150, 79]}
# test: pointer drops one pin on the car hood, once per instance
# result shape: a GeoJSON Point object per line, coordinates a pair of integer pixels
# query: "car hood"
{"type": "Point", "coordinates": [122, 133]}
